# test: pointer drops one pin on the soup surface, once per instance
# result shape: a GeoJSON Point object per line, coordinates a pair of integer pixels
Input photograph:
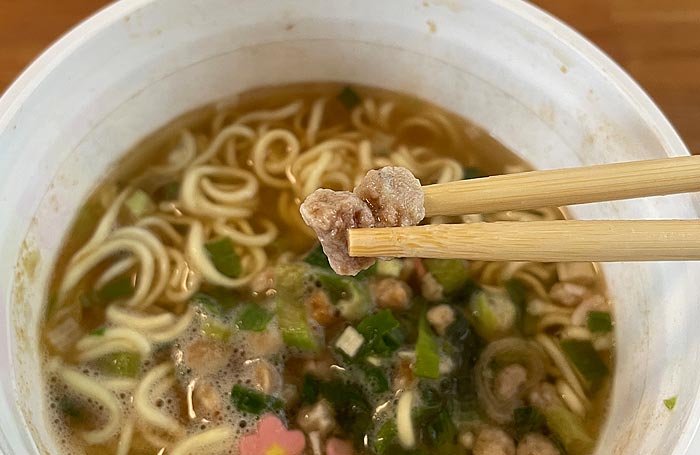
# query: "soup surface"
{"type": "Point", "coordinates": [192, 311]}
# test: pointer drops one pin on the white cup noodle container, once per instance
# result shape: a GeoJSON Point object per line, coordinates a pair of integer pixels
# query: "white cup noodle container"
{"type": "Point", "coordinates": [534, 84]}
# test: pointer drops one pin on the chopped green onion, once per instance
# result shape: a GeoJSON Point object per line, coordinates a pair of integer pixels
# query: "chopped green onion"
{"type": "Point", "coordinates": [427, 355]}
{"type": "Point", "coordinates": [471, 173]}
{"type": "Point", "coordinates": [350, 295]}
{"type": "Point", "coordinates": [440, 432]}
{"type": "Point", "coordinates": [317, 258]}
{"type": "Point", "coordinates": [464, 294]}
{"type": "Point", "coordinates": [670, 403]}
{"type": "Point", "coordinates": [224, 257]}
{"type": "Point", "coordinates": [118, 288]}
{"type": "Point", "coordinates": [569, 429]}
{"type": "Point", "coordinates": [353, 411]}
{"type": "Point", "coordinates": [431, 397]}
{"type": "Point", "coordinates": [125, 364]}
{"type": "Point", "coordinates": [390, 268]}
{"type": "Point", "coordinates": [343, 395]}
{"type": "Point", "coordinates": [253, 317]}
{"type": "Point", "coordinates": [335, 285]}
{"type": "Point", "coordinates": [366, 273]}
{"type": "Point", "coordinates": [467, 347]}
{"type": "Point", "coordinates": [310, 389]}
{"type": "Point", "coordinates": [585, 358]}
{"type": "Point", "coordinates": [434, 423]}
{"type": "Point", "coordinates": [290, 308]}
{"type": "Point", "coordinates": [216, 301]}
{"type": "Point", "coordinates": [216, 330]}
{"type": "Point", "coordinates": [382, 333]}
{"type": "Point", "coordinates": [599, 322]}
{"type": "Point", "coordinates": [376, 378]}
{"type": "Point", "coordinates": [349, 97]}
{"type": "Point", "coordinates": [517, 291]}
{"type": "Point", "coordinates": [98, 332]}
{"type": "Point", "coordinates": [206, 302]}
{"type": "Point", "coordinates": [528, 419]}
{"type": "Point", "coordinates": [139, 204]}
{"type": "Point", "coordinates": [450, 273]}
{"type": "Point", "coordinates": [254, 402]}
{"type": "Point", "coordinates": [385, 437]}
{"type": "Point", "coordinates": [492, 313]}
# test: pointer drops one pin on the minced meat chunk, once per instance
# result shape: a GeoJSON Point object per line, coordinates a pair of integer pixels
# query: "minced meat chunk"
{"type": "Point", "coordinates": [330, 214]}
{"type": "Point", "coordinates": [536, 444]}
{"type": "Point", "coordinates": [203, 356]}
{"type": "Point", "coordinates": [394, 195]}
{"type": "Point", "coordinates": [509, 380]}
{"type": "Point", "coordinates": [494, 441]}
{"type": "Point", "coordinates": [318, 417]}
{"type": "Point", "coordinates": [391, 293]}
{"type": "Point", "coordinates": [390, 196]}
{"type": "Point", "coordinates": [441, 317]}
{"type": "Point", "coordinates": [206, 401]}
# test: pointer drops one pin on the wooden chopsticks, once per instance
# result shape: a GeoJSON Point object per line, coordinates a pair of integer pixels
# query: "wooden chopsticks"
{"type": "Point", "coordinates": [560, 187]}
{"type": "Point", "coordinates": [548, 241]}
{"type": "Point", "coordinates": [539, 241]}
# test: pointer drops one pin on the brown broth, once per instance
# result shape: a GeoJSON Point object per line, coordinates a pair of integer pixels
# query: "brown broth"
{"type": "Point", "coordinates": [475, 149]}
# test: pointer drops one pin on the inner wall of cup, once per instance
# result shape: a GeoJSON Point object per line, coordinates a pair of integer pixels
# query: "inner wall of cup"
{"type": "Point", "coordinates": [485, 63]}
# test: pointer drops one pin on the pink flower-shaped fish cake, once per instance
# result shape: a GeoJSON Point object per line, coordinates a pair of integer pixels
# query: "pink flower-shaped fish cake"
{"type": "Point", "coordinates": [273, 438]}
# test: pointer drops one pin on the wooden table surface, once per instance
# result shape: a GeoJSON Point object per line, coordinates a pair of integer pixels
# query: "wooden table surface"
{"type": "Point", "coordinates": [656, 41]}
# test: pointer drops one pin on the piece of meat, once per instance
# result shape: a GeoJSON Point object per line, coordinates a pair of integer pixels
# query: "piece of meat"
{"type": "Point", "coordinates": [318, 417]}
{"type": "Point", "coordinates": [509, 381]}
{"type": "Point", "coordinates": [494, 441]}
{"type": "Point", "coordinates": [263, 344]}
{"type": "Point", "coordinates": [536, 444]}
{"type": "Point", "coordinates": [441, 317]}
{"type": "Point", "coordinates": [322, 310]}
{"type": "Point", "coordinates": [390, 196]}
{"type": "Point", "coordinates": [430, 288]}
{"type": "Point", "coordinates": [206, 401]}
{"type": "Point", "coordinates": [330, 214]}
{"type": "Point", "coordinates": [205, 356]}
{"type": "Point", "coordinates": [467, 440]}
{"type": "Point", "coordinates": [544, 395]}
{"type": "Point", "coordinates": [404, 378]}
{"type": "Point", "coordinates": [394, 195]}
{"type": "Point", "coordinates": [391, 293]}
{"type": "Point", "coordinates": [321, 367]}
{"type": "Point", "coordinates": [263, 281]}
{"type": "Point", "coordinates": [264, 376]}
